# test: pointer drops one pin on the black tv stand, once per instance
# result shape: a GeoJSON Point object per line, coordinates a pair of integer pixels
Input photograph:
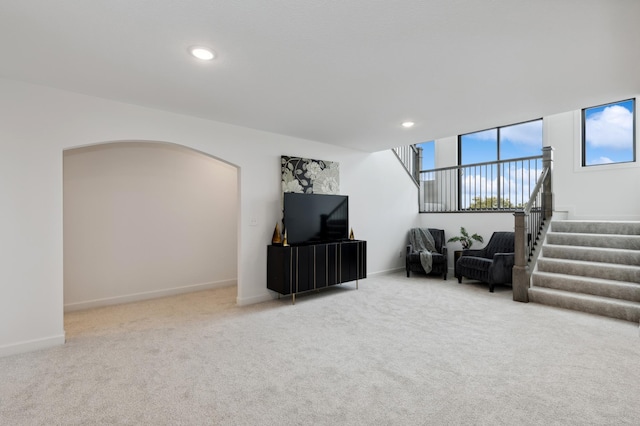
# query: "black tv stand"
{"type": "Point", "coordinates": [297, 269]}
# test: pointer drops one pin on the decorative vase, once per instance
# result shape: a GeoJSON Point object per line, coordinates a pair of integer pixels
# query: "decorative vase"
{"type": "Point", "coordinates": [284, 241]}
{"type": "Point", "coordinates": [351, 236]}
{"type": "Point", "coordinates": [277, 238]}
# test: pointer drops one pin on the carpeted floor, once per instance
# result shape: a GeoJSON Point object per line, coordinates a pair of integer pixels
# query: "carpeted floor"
{"type": "Point", "coordinates": [398, 351]}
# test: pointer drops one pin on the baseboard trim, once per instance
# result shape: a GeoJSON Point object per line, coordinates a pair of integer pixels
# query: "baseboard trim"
{"type": "Point", "coordinates": [245, 301]}
{"type": "Point", "coordinates": [136, 297]}
{"type": "Point", "coordinates": [386, 272]}
{"type": "Point", "coordinates": [32, 345]}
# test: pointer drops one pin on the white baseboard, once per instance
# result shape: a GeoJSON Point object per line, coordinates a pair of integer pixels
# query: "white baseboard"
{"type": "Point", "coordinates": [32, 345]}
{"type": "Point", "coordinates": [244, 301]}
{"type": "Point", "coordinates": [96, 303]}
{"type": "Point", "coordinates": [386, 271]}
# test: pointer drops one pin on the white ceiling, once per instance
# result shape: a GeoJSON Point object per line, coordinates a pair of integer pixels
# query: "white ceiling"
{"type": "Point", "coordinates": [345, 72]}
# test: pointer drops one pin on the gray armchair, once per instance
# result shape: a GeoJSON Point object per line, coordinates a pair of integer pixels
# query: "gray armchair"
{"type": "Point", "coordinates": [439, 257]}
{"type": "Point", "coordinates": [492, 264]}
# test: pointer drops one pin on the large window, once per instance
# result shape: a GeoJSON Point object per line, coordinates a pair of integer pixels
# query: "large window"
{"type": "Point", "coordinates": [501, 143]}
{"type": "Point", "coordinates": [478, 147]}
{"type": "Point", "coordinates": [608, 134]}
{"type": "Point", "coordinates": [504, 185]}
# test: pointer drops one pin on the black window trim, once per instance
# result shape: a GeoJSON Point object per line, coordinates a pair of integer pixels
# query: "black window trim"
{"type": "Point", "coordinates": [459, 201]}
{"type": "Point", "coordinates": [583, 143]}
{"type": "Point", "coordinates": [541, 119]}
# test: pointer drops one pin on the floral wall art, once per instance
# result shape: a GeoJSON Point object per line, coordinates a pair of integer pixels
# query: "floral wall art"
{"type": "Point", "coordinates": [309, 176]}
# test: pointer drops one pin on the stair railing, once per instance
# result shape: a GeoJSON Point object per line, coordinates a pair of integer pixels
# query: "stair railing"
{"type": "Point", "coordinates": [529, 224]}
{"type": "Point", "coordinates": [411, 158]}
{"type": "Point", "coordinates": [503, 185]}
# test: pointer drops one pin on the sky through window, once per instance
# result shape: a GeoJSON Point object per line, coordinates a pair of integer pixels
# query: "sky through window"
{"type": "Point", "coordinates": [608, 134]}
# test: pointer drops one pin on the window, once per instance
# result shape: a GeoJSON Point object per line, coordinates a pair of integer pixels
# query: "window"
{"type": "Point", "coordinates": [520, 140]}
{"type": "Point", "coordinates": [428, 159]}
{"type": "Point", "coordinates": [504, 185]}
{"type": "Point", "coordinates": [608, 134]}
{"type": "Point", "coordinates": [479, 147]}
{"type": "Point", "coordinates": [501, 143]}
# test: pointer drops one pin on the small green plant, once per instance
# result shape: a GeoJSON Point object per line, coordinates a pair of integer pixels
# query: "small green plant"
{"type": "Point", "coordinates": [465, 239]}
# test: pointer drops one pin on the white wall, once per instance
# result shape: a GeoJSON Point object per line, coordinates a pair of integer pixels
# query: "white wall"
{"type": "Point", "coordinates": [446, 152]}
{"type": "Point", "coordinates": [605, 192]}
{"type": "Point", "coordinates": [37, 124]}
{"type": "Point", "coordinates": [383, 206]}
{"type": "Point", "coordinates": [144, 220]}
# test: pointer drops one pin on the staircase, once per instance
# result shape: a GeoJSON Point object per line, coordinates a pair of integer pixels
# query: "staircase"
{"type": "Point", "coordinates": [590, 266]}
{"type": "Point", "coordinates": [411, 158]}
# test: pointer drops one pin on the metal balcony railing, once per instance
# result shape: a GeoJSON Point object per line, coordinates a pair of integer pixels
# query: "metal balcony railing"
{"type": "Point", "coordinates": [492, 186]}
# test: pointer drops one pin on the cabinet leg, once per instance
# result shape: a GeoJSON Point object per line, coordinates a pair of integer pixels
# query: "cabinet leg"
{"type": "Point", "coordinates": [356, 284]}
{"type": "Point", "coordinates": [293, 298]}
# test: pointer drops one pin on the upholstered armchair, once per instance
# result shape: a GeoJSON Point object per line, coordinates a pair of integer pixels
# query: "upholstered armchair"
{"type": "Point", "coordinates": [438, 258]}
{"type": "Point", "coordinates": [492, 264]}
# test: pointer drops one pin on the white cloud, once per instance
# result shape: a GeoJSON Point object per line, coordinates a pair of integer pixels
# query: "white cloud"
{"type": "Point", "coordinates": [601, 160]}
{"type": "Point", "coordinates": [529, 133]}
{"type": "Point", "coordinates": [515, 186]}
{"type": "Point", "coordinates": [485, 135]}
{"type": "Point", "coordinates": [610, 128]}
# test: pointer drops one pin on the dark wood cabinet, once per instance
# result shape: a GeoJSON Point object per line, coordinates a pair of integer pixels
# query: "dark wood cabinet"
{"type": "Point", "coordinates": [296, 269]}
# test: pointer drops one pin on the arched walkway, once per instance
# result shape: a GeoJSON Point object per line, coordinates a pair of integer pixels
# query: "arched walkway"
{"type": "Point", "coordinates": [145, 219]}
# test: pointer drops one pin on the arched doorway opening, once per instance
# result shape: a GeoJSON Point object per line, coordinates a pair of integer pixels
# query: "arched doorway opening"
{"type": "Point", "coordinates": [146, 219]}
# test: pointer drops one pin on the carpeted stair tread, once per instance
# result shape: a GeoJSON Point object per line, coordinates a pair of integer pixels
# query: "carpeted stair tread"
{"type": "Point", "coordinates": [588, 285]}
{"type": "Point", "coordinates": [608, 271]}
{"type": "Point", "coordinates": [590, 266]}
{"type": "Point", "coordinates": [627, 242]}
{"type": "Point", "coordinates": [596, 227]}
{"type": "Point", "coordinates": [592, 254]}
{"type": "Point", "coordinates": [614, 308]}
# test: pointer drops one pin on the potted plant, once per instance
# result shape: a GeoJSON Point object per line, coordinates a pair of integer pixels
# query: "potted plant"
{"type": "Point", "coordinates": [465, 239]}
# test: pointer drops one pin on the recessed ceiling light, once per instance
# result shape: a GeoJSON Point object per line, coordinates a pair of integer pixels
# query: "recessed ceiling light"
{"type": "Point", "coordinates": [202, 53]}
{"type": "Point", "coordinates": [408, 124]}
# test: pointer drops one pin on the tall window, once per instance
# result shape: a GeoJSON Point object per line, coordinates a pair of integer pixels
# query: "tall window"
{"type": "Point", "coordinates": [479, 147]}
{"type": "Point", "coordinates": [499, 186]}
{"type": "Point", "coordinates": [608, 134]}
{"type": "Point", "coordinates": [520, 140]}
{"type": "Point", "coordinates": [501, 143]}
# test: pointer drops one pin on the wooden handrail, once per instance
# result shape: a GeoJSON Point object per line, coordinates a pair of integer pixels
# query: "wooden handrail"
{"type": "Point", "coordinates": [529, 225]}
{"type": "Point", "coordinates": [536, 190]}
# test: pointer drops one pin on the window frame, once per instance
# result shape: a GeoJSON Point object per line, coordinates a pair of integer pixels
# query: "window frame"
{"type": "Point", "coordinates": [583, 128]}
{"type": "Point", "coordinates": [498, 157]}
{"type": "Point", "coordinates": [497, 128]}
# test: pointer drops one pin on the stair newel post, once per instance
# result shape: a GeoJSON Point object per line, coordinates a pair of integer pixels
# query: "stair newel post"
{"type": "Point", "coordinates": [519, 274]}
{"type": "Point", "coordinates": [547, 194]}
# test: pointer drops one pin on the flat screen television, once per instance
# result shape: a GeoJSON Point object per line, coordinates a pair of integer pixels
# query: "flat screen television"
{"type": "Point", "coordinates": [315, 218]}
